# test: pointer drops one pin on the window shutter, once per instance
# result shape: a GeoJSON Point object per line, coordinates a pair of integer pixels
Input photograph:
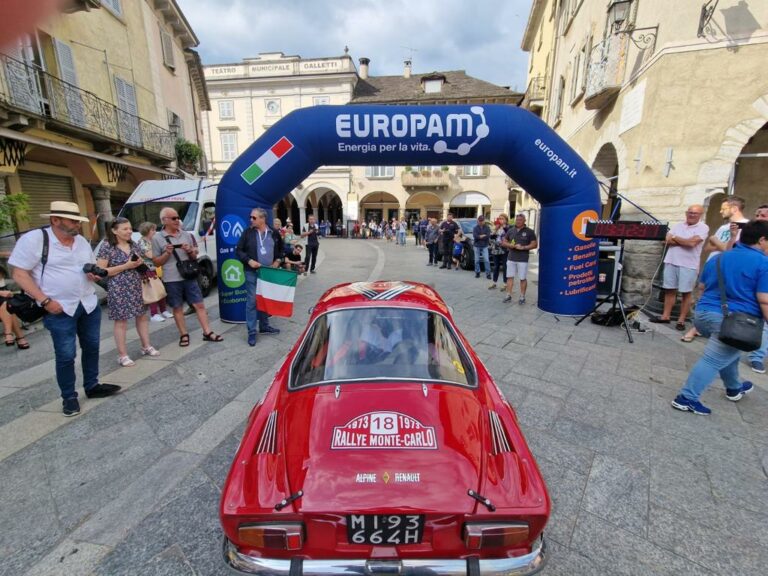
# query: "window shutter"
{"type": "Point", "coordinates": [126, 102]}
{"type": "Point", "coordinates": [167, 43]}
{"type": "Point", "coordinates": [114, 6]}
{"type": "Point", "coordinates": [72, 106]}
{"type": "Point", "coordinates": [368, 171]}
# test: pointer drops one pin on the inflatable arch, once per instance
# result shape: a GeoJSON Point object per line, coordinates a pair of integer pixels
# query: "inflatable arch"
{"type": "Point", "coordinates": [512, 138]}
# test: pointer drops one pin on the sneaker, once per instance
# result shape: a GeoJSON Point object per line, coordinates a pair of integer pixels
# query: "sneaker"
{"type": "Point", "coordinates": [503, 287]}
{"type": "Point", "coordinates": [682, 403]}
{"type": "Point", "coordinates": [311, 271]}
{"type": "Point", "coordinates": [125, 361]}
{"type": "Point", "coordinates": [150, 351]}
{"type": "Point", "coordinates": [269, 330]}
{"type": "Point", "coordinates": [157, 318]}
{"type": "Point", "coordinates": [167, 314]}
{"type": "Point", "coordinates": [757, 366]}
{"type": "Point", "coordinates": [521, 300]}
{"type": "Point", "coordinates": [477, 274]}
{"type": "Point", "coordinates": [736, 395]}
{"type": "Point", "coordinates": [507, 299]}
{"type": "Point", "coordinates": [70, 407]}
{"type": "Point", "coordinates": [487, 277]}
{"type": "Point", "coordinates": [102, 390]}
{"type": "Point", "coordinates": [492, 286]}
{"type": "Point", "coordinates": [252, 339]}
{"type": "Point", "coordinates": [429, 264]}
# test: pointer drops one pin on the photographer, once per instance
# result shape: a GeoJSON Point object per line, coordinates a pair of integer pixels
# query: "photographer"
{"type": "Point", "coordinates": [67, 294]}
{"type": "Point", "coordinates": [122, 259]}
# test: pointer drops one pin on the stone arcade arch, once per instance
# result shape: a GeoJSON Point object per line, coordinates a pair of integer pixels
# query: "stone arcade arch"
{"type": "Point", "coordinates": [524, 147]}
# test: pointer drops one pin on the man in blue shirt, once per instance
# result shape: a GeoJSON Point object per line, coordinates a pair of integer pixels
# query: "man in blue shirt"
{"type": "Point", "coordinates": [745, 275]}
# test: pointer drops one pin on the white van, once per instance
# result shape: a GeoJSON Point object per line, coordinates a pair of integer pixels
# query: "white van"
{"type": "Point", "coordinates": [195, 202]}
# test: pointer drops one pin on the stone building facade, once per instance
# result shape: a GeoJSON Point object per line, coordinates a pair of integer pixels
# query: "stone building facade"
{"type": "Point", "coordinates": [668, 106]}
{"type": "Point", "coordinates": [93, 102]}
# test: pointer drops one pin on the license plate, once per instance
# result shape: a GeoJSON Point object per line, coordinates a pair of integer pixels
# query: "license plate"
{"type": "Point", "coordinates": [385, 529]}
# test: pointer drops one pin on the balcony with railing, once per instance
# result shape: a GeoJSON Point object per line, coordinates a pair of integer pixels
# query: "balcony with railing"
{"type": "Point", "coordinates": [25, 88]}
{"type": "Point", "coordinates": [607, 63]}
{"type": "Point", "coordinates": [434, 178]}
{"type": "Point", "coordinates": [535, 94]}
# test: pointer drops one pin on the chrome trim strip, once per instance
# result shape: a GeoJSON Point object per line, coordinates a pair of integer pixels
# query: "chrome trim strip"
{"type": "Point", "coordinates": [268, 441]}
{"type": "Point", "coordinates": [518, 566]}
{"type": "Point", "coordinates": [500, 440]}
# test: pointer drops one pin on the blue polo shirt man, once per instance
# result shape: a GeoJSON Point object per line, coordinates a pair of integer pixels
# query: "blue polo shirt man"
{"type": "Point", "coordinates": [745, 275]}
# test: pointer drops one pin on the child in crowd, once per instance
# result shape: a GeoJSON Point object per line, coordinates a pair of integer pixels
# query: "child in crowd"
{"type": "Point", "coordinates": [157, 311]}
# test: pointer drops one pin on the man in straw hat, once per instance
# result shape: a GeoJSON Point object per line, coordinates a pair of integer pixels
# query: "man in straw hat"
{"type": "Point", "coordinates": [66, 292]}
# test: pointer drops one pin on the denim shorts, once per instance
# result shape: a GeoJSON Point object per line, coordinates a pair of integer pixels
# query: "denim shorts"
{"type": "Point", "coordinates": [181, 290]}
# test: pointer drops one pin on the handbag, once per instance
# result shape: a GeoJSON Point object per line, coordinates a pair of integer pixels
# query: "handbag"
{"type": "Point", "coordinates": [25, 307]}
{"type": "Point", "coordinates": [188, 269]}
{"type": "Point", "coordinates": [152, 290]}
{"type": "Point", "coordinates": [738, 329]}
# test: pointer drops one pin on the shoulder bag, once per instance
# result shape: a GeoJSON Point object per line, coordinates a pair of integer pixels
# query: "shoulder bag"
{"type": "Point", "coordinates": [189, 269]}
{"type": "Point", "coordinates": [739, 330]}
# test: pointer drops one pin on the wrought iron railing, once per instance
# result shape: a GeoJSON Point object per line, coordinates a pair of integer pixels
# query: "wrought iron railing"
{"type": "Point", "coordinates": [607, 63]}
{"type": "Point", "coordinates": [536, 89]}
{"type": "Point", "coordinates": [28, 88]}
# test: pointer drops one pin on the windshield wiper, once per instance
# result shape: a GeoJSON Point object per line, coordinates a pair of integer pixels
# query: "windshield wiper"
{"type": "Point", "coordinates": [482, 499]}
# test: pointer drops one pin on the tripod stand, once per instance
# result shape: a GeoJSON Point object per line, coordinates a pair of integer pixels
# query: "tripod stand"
{"type": "Point", "coordinates": [614, 296]}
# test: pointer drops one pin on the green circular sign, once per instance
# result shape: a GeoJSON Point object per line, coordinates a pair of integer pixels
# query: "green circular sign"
{"type": "Point", "coordinates": [232, 273]}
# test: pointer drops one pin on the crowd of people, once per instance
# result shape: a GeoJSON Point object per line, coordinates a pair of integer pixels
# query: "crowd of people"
{"type": "Point", "coordinates": [60, 274]}
{"type": "Point", "coordinates": [734, 278]}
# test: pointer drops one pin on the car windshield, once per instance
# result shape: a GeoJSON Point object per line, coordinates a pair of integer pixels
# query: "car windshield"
{"type": "Point", "coordinates": [467, 226]}
{"type": "Point", "coordinates": [150, 212]}
{"type": "Point", "coordinates": [381, 344]}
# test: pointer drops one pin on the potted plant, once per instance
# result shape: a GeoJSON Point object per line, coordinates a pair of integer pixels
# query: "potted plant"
{"type": "Point", "coordinates": [188, 155]}
{"type": "Point", "coordinates": [13, 207]}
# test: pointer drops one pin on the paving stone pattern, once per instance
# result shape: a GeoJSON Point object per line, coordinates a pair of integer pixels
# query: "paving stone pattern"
{"type": "Point", "coordinates": [132, 486]}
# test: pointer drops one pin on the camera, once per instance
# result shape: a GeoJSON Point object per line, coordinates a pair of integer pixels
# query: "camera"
{"type": "Point", "coordinates": [90, 268]}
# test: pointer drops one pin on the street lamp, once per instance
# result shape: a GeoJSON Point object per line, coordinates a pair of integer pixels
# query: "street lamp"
{"type": "Point", "coordinates": [619, 17]}
{"type": "Point", "coordinates": [618, 12]}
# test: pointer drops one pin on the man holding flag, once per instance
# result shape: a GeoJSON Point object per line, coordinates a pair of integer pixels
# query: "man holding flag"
{"type": "Point", "coordinates": [259, 249]}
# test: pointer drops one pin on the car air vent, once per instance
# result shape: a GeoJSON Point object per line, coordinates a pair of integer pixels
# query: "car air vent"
{"type": "Point", "coordinates": [268, 442]}
{"type": "Point", "coordinates": [498, 434]}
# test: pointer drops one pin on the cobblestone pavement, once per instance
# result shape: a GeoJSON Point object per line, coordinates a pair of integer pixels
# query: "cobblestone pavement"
{"type": "Point", "coordinates": [131, 486]}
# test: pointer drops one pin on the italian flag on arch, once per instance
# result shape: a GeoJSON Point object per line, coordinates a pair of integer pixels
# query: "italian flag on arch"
{"type": "Point", "coordinates": [275, 290]}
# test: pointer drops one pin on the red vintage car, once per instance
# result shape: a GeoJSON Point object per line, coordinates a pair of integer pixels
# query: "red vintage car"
{"type": "Point", "coordinates": [383, 446]}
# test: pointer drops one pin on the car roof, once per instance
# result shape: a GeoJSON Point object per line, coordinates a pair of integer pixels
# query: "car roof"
{"type": "Point", "coordinates": [381, 293]}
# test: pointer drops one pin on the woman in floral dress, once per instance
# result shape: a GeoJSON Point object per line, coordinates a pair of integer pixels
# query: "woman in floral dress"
{"type": "Point", "coordinates": [121, 257]}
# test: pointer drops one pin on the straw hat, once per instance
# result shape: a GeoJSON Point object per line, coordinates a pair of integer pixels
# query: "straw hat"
{"type": "Point", "coordinates": [65, 210]}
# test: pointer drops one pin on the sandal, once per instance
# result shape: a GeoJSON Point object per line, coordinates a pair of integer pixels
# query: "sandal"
{"type": "Point", "coordinates": [150, 351]}
{"type": "Point", "coordinates": [10, 342]}
{"type": "Point", "coordinates": [212, 337]}
{"type": "Point", "coordinates": [21, 343]}
{"type": "Point", "coordinates": [687, 338]}
{"type": "Point", "coordinates": [680, 326]}
{"type": "Point", "coordinates": [184, 340]}
{"type": "Point", "coordinates": [125, 361]}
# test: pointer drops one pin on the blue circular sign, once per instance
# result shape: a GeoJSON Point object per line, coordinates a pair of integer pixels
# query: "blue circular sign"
{"type": "Point", "coordinates": [231, 227]}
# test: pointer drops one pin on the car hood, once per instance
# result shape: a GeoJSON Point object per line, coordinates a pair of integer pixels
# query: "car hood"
{"type": "Point", "coordinates": [383, 447]}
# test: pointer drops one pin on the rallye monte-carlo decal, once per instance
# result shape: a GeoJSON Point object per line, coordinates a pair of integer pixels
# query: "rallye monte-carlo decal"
{"type": "Point", "coordinates": [384, 430]}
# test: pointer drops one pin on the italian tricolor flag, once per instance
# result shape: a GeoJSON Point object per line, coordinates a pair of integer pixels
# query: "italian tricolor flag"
{"type": "Point", "coordinates": [275, 289]}
{"type": "Point", "coordinates": [267, 160]}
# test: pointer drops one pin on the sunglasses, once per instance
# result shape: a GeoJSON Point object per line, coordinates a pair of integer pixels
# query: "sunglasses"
{"type": "Point", "coordinates": [174, 218]}
{"type": "Point", "coordinates": [254, 217]}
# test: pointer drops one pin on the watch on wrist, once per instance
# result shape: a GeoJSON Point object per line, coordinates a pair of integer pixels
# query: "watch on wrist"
{"type": "Point", "coordinates": [45, 303]}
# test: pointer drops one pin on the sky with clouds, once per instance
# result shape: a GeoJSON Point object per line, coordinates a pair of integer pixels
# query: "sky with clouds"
{"type": "Point", "coordinates": [480, 36]}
